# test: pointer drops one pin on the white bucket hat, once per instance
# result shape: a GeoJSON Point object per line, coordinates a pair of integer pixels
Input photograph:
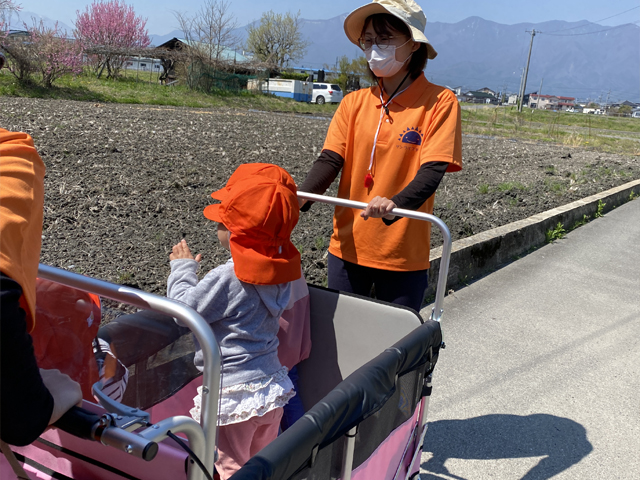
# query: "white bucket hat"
{"type": "Point", "coordinates": [406, 10]}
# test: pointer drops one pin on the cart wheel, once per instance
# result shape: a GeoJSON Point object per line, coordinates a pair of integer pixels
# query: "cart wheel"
{"type": "Point", "coordinates": [320, 100]}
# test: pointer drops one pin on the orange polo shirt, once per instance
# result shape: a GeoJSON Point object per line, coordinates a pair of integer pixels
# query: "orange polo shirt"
{"type": "Point", "coordinates": [423, 126]}
{"type": "Point", "coordinates": [21, 213]}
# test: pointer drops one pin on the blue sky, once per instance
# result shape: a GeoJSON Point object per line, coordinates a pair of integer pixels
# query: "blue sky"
{"type": "Point", "coordinates": [161, 19]}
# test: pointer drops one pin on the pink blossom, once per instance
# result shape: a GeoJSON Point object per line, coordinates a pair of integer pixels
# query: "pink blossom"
{"type": "Point", "coordinates": [106, 30]}
{"type": "Point", "coordinates": [54, 54]}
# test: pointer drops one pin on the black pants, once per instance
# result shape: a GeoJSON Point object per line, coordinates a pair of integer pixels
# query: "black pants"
{"type": "Point", "coordinates": [402, 288]}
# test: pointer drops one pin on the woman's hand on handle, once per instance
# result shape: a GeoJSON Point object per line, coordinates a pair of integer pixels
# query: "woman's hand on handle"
{"type": "Point", "coordinates": [65, 392]}
{"type": "Point", "coordinates": [379, 207]}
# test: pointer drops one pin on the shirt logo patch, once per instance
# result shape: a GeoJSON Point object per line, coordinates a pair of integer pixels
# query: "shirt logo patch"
{"type": "Point", "coordinates": [411, 135]}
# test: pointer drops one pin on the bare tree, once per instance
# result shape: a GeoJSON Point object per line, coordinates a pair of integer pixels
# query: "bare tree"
{"type": "Point", "coordinates": [20, 56]}
{"type": "Point", "coordinates": [191, 54]}
{"type": "Point", "coordinates": [17, 47]}
{"type": "Point", "coordinates": [210, 30]}
{"type": "Point", "coordinates": [277, 38]}
{"type": "Point", "coordinates": [7, 9]}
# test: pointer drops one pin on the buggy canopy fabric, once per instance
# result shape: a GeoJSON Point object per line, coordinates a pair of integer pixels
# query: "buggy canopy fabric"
{"type": "Point", "coordinates": [355, 399]}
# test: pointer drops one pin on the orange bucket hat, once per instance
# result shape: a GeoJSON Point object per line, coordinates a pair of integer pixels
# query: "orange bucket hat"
{"type": "Point", "coordinates": [260, 211]}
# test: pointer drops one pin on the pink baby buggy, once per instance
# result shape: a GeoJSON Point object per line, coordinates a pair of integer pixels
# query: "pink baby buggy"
{"type": "Point", "coordinates": [365, 388]}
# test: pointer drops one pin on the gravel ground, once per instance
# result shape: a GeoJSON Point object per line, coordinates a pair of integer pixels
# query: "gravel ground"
{"type": "Point", "coordinates": [125, 182]}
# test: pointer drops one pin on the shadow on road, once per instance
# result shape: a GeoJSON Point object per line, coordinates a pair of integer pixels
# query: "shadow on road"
{"type": "Point", "coordinates": [563, 442]}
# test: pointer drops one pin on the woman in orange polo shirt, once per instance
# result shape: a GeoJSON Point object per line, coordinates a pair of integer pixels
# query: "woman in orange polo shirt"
{"type": "Point", "coordinates": [393, 144]}
{"type": "Point", "coordinates": [31, 398]}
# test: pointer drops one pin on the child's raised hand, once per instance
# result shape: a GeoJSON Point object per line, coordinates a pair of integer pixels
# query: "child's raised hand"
{"type": "Point", "coordinates": [181, 250]}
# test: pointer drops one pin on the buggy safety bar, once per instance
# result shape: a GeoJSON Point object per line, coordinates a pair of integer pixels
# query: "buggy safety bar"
{"type": "Point", "coordinates": [202, 437]}
{"type": "Point", "coordinates": [436, 312]}
{"type": "Point", "coordinates": [102, 428]}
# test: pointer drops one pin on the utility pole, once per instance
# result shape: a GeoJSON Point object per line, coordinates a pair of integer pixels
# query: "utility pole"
{"type": "Point", "coordinates": [526, 71]}
{"type": "Point", "coordinates": [606, 104]}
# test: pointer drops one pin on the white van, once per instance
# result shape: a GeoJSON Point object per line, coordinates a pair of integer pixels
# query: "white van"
{"type": "Point", "coordinates": [326, 93]}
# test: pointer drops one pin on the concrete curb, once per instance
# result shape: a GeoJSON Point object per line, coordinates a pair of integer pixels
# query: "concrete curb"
{"type": "Point", "coordinates": [478, 255]}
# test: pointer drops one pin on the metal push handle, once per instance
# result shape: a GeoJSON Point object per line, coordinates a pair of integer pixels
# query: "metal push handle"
{"type": "Point", "coordinates": [436, 312]}
{"type": "Point", "coordinates": [89, 426]}
{"type": "Point", "coordinates": [202, 439]}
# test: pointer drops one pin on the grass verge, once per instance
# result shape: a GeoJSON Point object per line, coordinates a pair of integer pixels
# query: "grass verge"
{"type": "Point", "coordinates": [134, 91]}
{"type": "Point", "coordinates": [597, 132]}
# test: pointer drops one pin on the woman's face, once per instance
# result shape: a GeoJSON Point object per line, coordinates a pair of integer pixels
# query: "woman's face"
{"type": "Point", "coordinates": [403, 43]}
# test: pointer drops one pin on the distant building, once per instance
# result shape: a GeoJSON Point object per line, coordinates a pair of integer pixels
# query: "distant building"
{"type": "Point", "coordinates": [550, 102]}
{"type": "Point", "coordinates": [476, 96]}
{"type": "Point", "coordinates": [489, 91]}
{"type": "Point", "coordinates": [456, 90]}
{"type": "Point", "coordinates": [144, 64]}
{"type": "Point", "coordinates": [630, 104]}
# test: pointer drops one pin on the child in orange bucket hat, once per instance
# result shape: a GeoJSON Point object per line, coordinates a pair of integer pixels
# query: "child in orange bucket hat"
{"type": "Point", "coordinates": [243, 301]}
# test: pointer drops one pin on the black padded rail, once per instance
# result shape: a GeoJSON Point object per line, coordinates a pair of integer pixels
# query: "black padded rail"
{"type": "Point", "coordinates": [356, 398]}
{"type": "Point", "coordinates": [78, 422]}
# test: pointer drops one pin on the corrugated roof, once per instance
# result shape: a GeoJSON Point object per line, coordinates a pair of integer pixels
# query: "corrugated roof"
{"type": "Point", "coordinates": [226, 54]}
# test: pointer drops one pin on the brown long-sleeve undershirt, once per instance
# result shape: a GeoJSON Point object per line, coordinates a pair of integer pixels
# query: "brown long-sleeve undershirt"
{"type": "Point", "coordinates": [26, 401]}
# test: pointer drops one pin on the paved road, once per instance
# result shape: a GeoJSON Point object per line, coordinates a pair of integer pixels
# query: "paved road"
{"type": "Point", "coordinates": [541, 374]}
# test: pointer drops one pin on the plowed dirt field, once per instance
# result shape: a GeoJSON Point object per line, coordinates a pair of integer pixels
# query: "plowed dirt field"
{"type": "Point", "coordinates": [125, 182]}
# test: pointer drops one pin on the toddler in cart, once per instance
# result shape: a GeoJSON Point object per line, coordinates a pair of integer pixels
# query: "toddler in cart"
{"type": "Point", "coordinates": [243, 301]}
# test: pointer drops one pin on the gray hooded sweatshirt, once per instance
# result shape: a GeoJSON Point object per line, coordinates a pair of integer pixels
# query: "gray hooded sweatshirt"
{"type": "Point", "coordinates": [244, 317]}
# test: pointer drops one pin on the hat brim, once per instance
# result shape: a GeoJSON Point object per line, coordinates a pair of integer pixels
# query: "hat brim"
{"type": "Point", "coordinates": [261, 264]}
{"type": "Point", "coordinates": [354, 24]}
{"type": "Point", "coordinates": [212, 212]}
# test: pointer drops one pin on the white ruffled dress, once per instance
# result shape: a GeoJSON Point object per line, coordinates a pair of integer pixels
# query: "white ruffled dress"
{"type": "Point", "coordinates": [238, 403]}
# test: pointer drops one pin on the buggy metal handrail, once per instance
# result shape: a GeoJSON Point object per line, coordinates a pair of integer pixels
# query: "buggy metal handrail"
{"type": "Point", "coordinates": [191, 319]}
{"type": "Point", "coordinates": [436, 312]}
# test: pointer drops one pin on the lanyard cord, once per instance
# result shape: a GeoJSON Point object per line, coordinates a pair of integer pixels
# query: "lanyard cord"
{"type": "Point", "coordinates": [384, 108]}
{"type": "Point", "coordinates": [393, 95]}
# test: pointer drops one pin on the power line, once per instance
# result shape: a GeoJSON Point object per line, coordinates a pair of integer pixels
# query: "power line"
{"type": "Point", "coordinates": [596, 21]}
{"type": "Point", "coordinates": [589, 33]}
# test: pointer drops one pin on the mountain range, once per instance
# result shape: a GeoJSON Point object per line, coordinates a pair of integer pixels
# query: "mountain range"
{"type": "Point", "coordinates": [574, 59]}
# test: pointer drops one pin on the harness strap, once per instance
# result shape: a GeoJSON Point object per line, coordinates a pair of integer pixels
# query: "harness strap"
{"type": "Point", "coordinates": [13, 461]}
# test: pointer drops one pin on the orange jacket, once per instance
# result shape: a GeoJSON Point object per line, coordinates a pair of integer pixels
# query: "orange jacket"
{"type": "Point", "coordinates": [21, 213]}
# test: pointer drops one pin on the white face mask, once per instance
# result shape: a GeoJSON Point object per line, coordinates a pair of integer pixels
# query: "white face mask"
{"type": "Point", "coordinates": [383, 63]}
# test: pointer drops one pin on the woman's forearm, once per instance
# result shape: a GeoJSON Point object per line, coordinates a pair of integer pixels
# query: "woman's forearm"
{"type": "Point", "coordinates": [423, 185]}
{"type": "Point", "coordinates": [322, 174]}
